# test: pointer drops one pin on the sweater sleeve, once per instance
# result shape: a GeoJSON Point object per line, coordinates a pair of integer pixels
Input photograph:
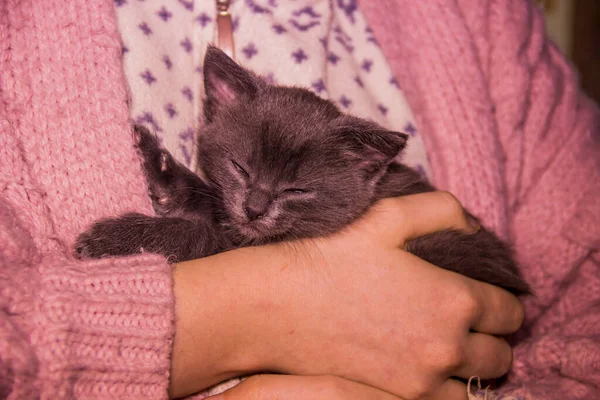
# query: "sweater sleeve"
{"type": "Point", "coordinates": [549, 131]}
{"type": "Point", "coordinates": [71, 329]}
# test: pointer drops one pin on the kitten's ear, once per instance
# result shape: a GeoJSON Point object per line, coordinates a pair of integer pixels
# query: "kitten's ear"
{"type": "Point", "coordinates": [225, 81]}
{"type": "Point", "coordinates": [371, 146]}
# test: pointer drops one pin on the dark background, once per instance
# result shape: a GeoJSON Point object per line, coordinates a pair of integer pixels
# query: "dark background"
{"type": "Point", "coordinates": [575, 27]}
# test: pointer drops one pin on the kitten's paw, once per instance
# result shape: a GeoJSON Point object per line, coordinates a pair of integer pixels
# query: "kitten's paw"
{"type": "Point", "coordinates": [85, 248]}
{"type": "Point", "coordinates": [104, 239]}
{"type": "Point", "coordinates": [143, 138]}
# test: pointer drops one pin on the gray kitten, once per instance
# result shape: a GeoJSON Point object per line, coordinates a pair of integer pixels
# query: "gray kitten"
{"type": "Point", "coordinates": [281, 164]}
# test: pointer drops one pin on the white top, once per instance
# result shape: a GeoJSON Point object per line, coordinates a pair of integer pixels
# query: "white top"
{"type": "Point", "coordinates": [324, 45]}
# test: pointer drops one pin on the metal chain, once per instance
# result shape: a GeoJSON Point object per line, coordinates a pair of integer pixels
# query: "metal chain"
{"type": "Point", "coordinates": [225, 28]}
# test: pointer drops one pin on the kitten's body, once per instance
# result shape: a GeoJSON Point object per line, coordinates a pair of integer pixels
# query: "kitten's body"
{"type": "Point", "coordinates": [281, 164]}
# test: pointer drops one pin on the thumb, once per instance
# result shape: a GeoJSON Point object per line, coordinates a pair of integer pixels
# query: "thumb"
{"type": "Point", "coordinates": [394, 221]}
{"type": "Point", "coordinates": [270, 387]}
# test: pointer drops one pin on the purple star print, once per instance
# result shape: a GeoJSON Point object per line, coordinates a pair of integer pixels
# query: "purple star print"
{"type": "Point", "coordinates": [345, 43]}
{"type": "Point", "coordinates": [319, 86]}
{"type": "Point", "coordinates": [410, 129]}
{"type": "Point", "coordinates": [333, 58]}
{"type": "Point", "coordinates": [119, 3]}
{"type": "Point", "coordinates": [420, 170]}
{"type": "Point", "coordinates": [309, 15]}
{"type": "Point", "coordinates": [270, 78]}
{"type": "Point", "coordinates": [186, 44]}
{"type": "Point", "coordinates": [167, 61]}
{"type": "Point", "coordinates": [187, 135]}
{"type": "Point", "coordinates": [349, 7]}
{"type": "Point", "coordinates": [255, 8]}
{"type": "Point", "coordinates": [124, 50]}
{"type": "Point", "coordinates": [366, 65]}
{"type": "Point", "coordinates": [308, 11]}
{"type": "Point", "coordinates": [186, 154]}
{"type": "Point", "coordinates": [382, 109]}
{"type": "Point", "coordinates": [145, 28]}
{"type": "Point", "coordinates": [394, 82]}
{"type": "Point", "coordinates": [279, 29]}
{"type": "Point", "coordinates": [187, 93]}
{"type": "Point", "coordinates": [300, 56]}
{"type": "Point", "coordinates": [203, 19]}
{"type": "Point", "coordinates": [148, 118]}
{"type": "Point", "coordinates": [164, 14]}
{"type": "Point", "coordinates": [304, 27]}
{"type": "Point", "coordinates": [250, 50]}
{"type": "Point", "coordinates": [370, 36]}
{"type": "Point", "coordinates": [359, 81]}
{"type": "Point", "coordinates": [342, 38]}
{"type": "Point", "coordinates": [187, 140]}
{"type": "Point", "coordinates": [189, 5]}
{"type": "Point", "coordinates": [345, 102]}
{"type": "Point", "coordinates": [148, 77]}
{"type": "Point", "coordinates": [170, 110]}
{"type": "Point", "coordinates": [324, 42]}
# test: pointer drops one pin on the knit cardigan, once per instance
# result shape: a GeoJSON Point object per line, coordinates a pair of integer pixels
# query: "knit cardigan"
{"type": "Point", "coordinates": [506, 127]}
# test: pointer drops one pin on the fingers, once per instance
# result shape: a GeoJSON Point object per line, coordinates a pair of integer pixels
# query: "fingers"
{"type": "Point", "coordinates": [499, 312]}
{"type": "Point", "coordinates": [485, 356]}
{"type": "Point", "coordinates": [292, 387]}
{"type": "Point", "coordinates": [397, 220]}
{"type": "Point", "coordinates": [450, 390]}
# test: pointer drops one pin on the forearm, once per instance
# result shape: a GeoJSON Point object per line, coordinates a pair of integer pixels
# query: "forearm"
{"type": "Point", "coordinates": [222, 304]}
{"type": "Point", "coordinates": [341, 306]}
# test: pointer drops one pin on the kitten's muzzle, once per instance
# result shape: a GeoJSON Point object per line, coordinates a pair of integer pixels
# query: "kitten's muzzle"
{"type": "Point", "coordinates": [257, 204]}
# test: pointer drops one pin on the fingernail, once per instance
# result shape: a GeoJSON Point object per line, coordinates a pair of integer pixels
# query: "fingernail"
{"type": "Point", "coordinates": [474, 224]}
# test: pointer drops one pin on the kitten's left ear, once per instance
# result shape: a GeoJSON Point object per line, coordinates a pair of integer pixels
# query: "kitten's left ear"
{"type": "Point", "coordinates": [225, 82]}
{"type": "Point", "coordinates": [370, 145]}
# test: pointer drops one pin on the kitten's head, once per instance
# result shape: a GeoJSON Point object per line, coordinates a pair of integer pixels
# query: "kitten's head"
{"type": "Point", "coordinates": [286, 163]}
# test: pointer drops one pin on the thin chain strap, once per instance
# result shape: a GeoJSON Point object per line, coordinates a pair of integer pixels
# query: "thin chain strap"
{"type": "Point", "coordinates": [225, 28]}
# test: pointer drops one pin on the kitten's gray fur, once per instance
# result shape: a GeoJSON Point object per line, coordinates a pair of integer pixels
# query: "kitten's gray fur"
{"type": "Point", "coordinates": [281, 164]}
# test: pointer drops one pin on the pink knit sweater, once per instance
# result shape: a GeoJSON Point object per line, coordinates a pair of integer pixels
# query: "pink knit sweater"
{"type": "Point", "coordinates": [507, 131]}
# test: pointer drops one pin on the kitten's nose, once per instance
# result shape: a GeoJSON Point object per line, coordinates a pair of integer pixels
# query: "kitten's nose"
{"type": "Point", "coordinates": [257, 204]}
{"type": "Point", "coordinates": [254, 213]}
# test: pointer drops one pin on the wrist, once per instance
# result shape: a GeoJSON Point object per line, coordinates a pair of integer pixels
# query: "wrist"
{"type": "Point", "coordinates": [229, 316]}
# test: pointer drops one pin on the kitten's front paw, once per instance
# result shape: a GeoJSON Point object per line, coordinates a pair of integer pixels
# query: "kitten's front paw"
{"type": "Point", "coordinates": [85, 247]}
{"type": "Point", "coordinates": [159, 168]}
{"type": "Point", "coordinates": [103, 239]}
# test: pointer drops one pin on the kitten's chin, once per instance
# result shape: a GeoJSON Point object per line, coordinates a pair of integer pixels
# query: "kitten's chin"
{"type": "Point", "coordinates": [256, 233]}
{"type": "Point", "coordinates": [250, 232]}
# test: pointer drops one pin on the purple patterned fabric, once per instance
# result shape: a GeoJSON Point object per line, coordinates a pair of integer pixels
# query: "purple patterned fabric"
{"type": "Point", "coordinates": [324, 45]}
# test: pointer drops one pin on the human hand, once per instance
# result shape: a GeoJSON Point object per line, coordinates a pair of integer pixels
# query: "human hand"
{"type": "Point", "coordinates": [353, 305]}
{"type": "Point", "coordinates": [294, 387]}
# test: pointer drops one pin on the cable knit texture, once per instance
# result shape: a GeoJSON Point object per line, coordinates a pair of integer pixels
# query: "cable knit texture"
{"type": "Point", "coordinates": [509, 132]}
{"type": "Point", "coordinates": [72, 329]}
{"type": "Point", "coordinates": [505, 125]}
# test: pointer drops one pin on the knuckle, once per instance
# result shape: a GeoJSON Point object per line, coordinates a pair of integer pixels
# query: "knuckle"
{"type": "Point", "coordinates": [519, 315]}
{"type": "Point", "coordinates": [505, 360]}
{"type": "Point", "coordinates": [452, 202]}
{"type": "Point", "coordinates": [420, 388]}
{"type": "Point", "coordinates": [467, 305]}
{"type": "Point", "coordinates": [330, 387]}
{"type": "Point", "coordinates": [450, 358]}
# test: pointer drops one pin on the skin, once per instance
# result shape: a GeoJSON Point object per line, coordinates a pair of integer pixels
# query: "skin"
{"type": "Point", "coordinates": [347, 314]}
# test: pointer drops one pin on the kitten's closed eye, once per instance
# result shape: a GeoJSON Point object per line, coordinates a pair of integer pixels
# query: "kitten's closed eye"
{"type": "Point", "coordinates": [295, 191]}
{"type": "Point", "coordinates": [240, 169]}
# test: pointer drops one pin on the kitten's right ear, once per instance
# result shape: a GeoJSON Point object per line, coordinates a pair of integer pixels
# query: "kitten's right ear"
{"type": "Point", "coordinates": [225, 82]}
